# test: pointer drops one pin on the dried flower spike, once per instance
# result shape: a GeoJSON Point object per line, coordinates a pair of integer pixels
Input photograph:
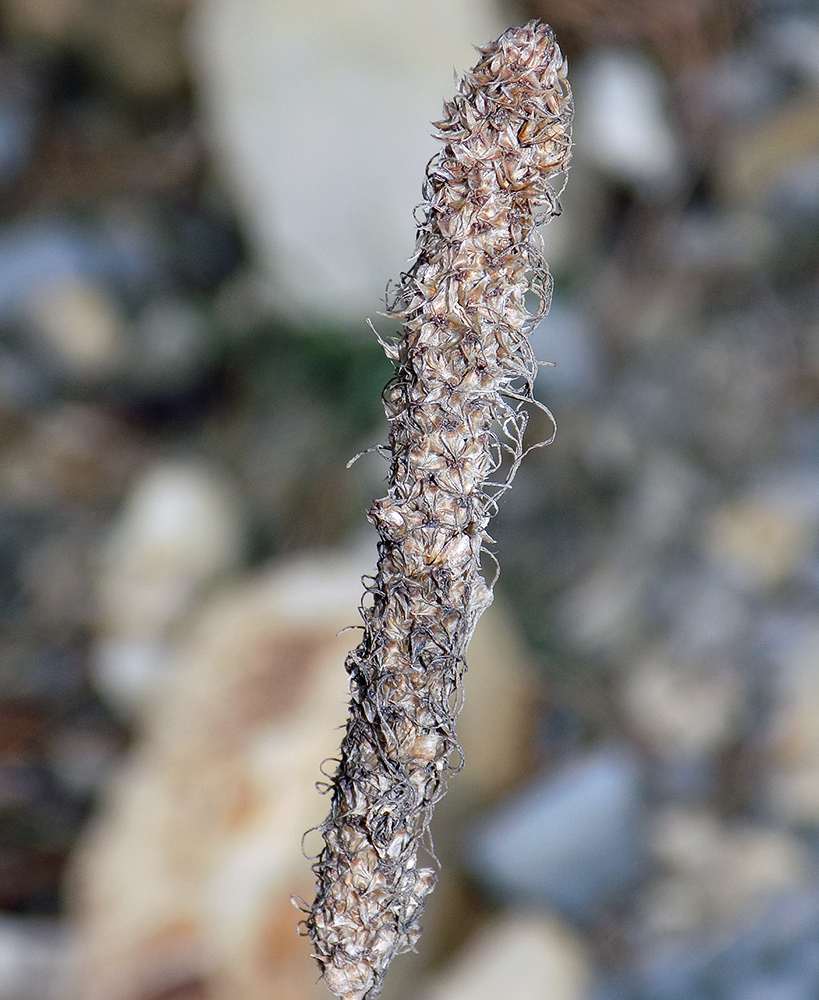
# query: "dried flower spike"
{"type": "Point", "coordinates": [464, 370]}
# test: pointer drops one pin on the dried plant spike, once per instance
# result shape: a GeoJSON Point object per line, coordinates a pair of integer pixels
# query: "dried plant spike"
{"type": "Point", "coordinates": [457, 412]}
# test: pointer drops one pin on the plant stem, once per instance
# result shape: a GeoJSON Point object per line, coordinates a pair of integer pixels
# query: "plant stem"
{"type": "Point", "coordinates": [456, 407]}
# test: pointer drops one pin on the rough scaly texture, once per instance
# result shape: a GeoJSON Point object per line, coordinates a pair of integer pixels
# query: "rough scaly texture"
{"type": "Point", "coordinates": [456, 406]}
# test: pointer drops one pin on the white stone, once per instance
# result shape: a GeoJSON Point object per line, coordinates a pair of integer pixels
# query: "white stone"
{"type": "Point", "coordinates": [763, 538]}
{"type": "Point", "coordinates": [79, 326]}
{"type": "Point", "coordinates": [31, 957]}
{"type": "Point", "coordinates": [181, 528]}
{"type": "Point", "coordinates": [623, 124]}
{"type": "Point", "coordinates": [681, 706]}
{"type": "Point", "coordinates": [605, 612]}
{"type": "Point", "coordinates": [663, 496]}
{"type": "Point", "coordinates": [529, 956]}
{"type": "Point", "coordinates": [711, 872]}
{"type": "Point", "coordinates": [129, 671]}
{"type": "Point", "coordinates": [792, 785]}
{"type": "Point", "coordinates": [320, 116]}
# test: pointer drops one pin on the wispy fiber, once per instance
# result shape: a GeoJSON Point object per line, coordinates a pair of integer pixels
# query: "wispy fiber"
{"type": "Point", "coordinates": [464, 372]}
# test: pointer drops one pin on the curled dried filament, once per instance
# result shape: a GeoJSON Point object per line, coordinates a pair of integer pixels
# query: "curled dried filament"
{"type": "Point", "coordinates": [464, 372]}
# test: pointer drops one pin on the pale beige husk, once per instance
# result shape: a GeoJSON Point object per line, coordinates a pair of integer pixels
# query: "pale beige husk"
{"type": "Point", "coordinates": [457, 412]}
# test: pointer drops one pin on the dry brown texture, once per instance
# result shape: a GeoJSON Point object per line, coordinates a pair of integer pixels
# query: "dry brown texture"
{"type": "Point", "coordinates": [464, 370]}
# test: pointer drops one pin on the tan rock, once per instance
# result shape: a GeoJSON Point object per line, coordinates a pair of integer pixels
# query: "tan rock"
{"type": "Point", "coordinates": [180, 530]}
{"type": "Point", "coordinates": [792, 785]}
{"type": "Point", "coordinates": [713, 873]}
{"type": "Point", "coordinates": [683, 707]}
{"type": "Point", "coordinates": [79, 325]}
{"type": "Point", "coordinates": [184, 881]}
{"type": "Point", "coordinates": [135, 43]}
{"type": "Point", "coordinates": [529, 956]}
{"type": "Point", "coordinates": [760, 540]}
{"type": "Point", "coordinates": [752, 160]}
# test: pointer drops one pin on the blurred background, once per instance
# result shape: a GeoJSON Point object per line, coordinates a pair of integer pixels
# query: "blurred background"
{"type": "Point", "coordinates": [200, 203]}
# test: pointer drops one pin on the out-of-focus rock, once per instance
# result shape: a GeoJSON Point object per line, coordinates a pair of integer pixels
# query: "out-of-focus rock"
{"type": "Point", "coordinates": [171, 345]}
{"type": "Point", "coordinates": [623, 124]}
{"type": "Point", "coordinates": [77, 327]}
{"type": "Point", "coordinates": [605, 613]}
{"type": "Point", "coordinates": [69, 454]}
{"type": "Point", "coordinates": [664, 498]}
{"type": "Point", "coordinates": [772, 954]}
{"type": "Point", "coordinates": [44, 19]}
{"type": "Point", "coordinates": [683, 708]}
{"type": "Point", "coordinates": [565, 339]}
{"type": "Point", "coordinates": [571, 840]}
{"type": "Point", "coordinates": [709, 616]}
{"type": "Point", "coordinates": [720, 397]}
{"type": "Point", "coordinates": [24, 385]}
{"type": "Point", "coordinates": [182, 527]}
{"type": "Point", "coordinates": [31, 959]}
{"type": "Point", "coordinates": [796, 195]}
{"type": "Point", "coordinates": [291, 88]}
{"type": "Point", "coordinates": [714, 874]}
{"type": "Point", "coordinates": [754, 161]}
{"type": "Point", "coordinates": [187, 877]}
{"type": "Point", "coordinates": [763, 539]}
{"type": "Point", "coordinates": [726, 243]}
{"type": "Point", "coordinates": [41, 252]}
{"type": "Point", "coordinates": [18, 120]}
{"type": "Point", "coordinates": [184, 882]}
{"type": "Point", "coordinates": [526, 955]}
{"type": "Point", "coordinates": [54, 575]}
{"type": "Point", "coordinates": [611, 445]}
{"type": "Point", "coordinates": [792, 784]}
{"type": "Point", "coordinates": [795, 44]}
{"type": "Point", "coordinates": [82, 755]}
{"type": "Point", "coordinates": [497, 723]}
{"type": "Point", "coordinates": [136, 44]}
{"type": "Point", "coordinates": [739, 87]}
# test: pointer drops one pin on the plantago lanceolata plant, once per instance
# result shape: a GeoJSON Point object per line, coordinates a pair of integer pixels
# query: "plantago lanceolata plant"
{"type": "Point", "coordinates": [464, 372]}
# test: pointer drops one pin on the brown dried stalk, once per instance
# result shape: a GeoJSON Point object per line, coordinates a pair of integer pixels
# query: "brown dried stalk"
{"type": "Point", "coordinates": [464, 370]}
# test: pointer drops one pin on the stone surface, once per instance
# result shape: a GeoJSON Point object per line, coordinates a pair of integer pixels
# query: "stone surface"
{"type": "Point", "coordinates": [748, 174]}
{"type": "Point", "coordinates": [184, 881]}
{"type": "Point", "coordinates": [188, 872]}
{"type": "Point", "coordinates": [791, 786]}
{"type": "Point", "coordinates": [78, 327]}
{"type": "Point", "coordinates": [171, 345]}
{"type": "Point", "coordinates": [68, 453]}
{"type": "Point", "coordinates": [565, 339]}
{"type": "Point", "coordinates": [715, 874]}
{"type": "Point", "coordinates": [774, 955]}
{"type": "Point", "coordinates": [605, 612]}
{"type": "Point", "coordinates": [44, 251]}
{"type": "Point", "coordinates": [319, 116]}
{"type": "Point", "coordinates": [623, 124]}
{"type": "Point", "coordinates": [664, 498]}
{"type": "Point", "coordinates": [526, 955]}
{"type": "Point", "coordinates": [136, 45]}
{"type": "Point", "coordinates": [571, 840]}
{"type": "Point", "coordinates": [180, 529]}
{"type": "Point", "coordinates": [682, 707]}
{"type": "Point", "coordinates": [762, 539]}
{"type": "Point", "coordinates": [18, 120]}
{"type": "Point", "coordinates": [31, 959]}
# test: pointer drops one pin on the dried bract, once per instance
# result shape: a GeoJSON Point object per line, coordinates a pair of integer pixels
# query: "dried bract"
{"type": "Point", "coordinates": [456, 406]}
